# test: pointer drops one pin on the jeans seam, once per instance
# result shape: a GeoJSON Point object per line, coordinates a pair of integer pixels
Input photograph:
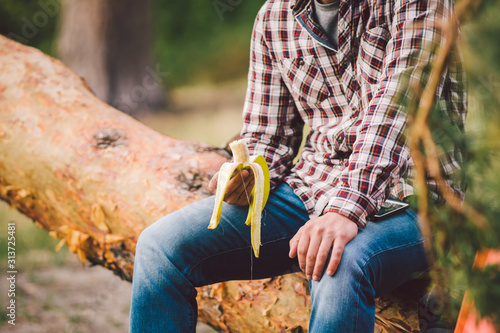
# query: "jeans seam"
{"type": "Point", "coordinates": [357, 308]}
{"type": "Point", "coordinates": [229, 251]}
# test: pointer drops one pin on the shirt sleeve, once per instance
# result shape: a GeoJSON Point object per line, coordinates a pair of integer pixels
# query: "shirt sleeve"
{"type": "Point", "coordinates": [270, 119]}
{"type": "Point", "coordinates": [380, 155]}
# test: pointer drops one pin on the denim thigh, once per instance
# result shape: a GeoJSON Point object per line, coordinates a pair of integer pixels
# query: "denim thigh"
{"type": "Point", "coordinates": [205, 256]}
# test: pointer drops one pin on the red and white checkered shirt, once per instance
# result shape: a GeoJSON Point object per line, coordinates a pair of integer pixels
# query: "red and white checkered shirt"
{"type": "Point", "coordinates": [355, 154]}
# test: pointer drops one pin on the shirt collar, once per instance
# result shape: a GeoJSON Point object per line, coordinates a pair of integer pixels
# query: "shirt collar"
{"type": "Point", "coordinates": [298, 6]}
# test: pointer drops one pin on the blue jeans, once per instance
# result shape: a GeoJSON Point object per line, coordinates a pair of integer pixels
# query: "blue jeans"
{"type": "Point", "coordinates": [178, 253]}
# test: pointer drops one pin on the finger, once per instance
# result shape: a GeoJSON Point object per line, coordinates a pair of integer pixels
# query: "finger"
{"type": "Point", "coordinates": [302, 248]}
{"type": "Point", "coordinates": [244, 197]}
{"type": "Point", "coordinates": [235, 182]}
{"type": "Point", "coordinates": [312, 251]}
{"type": "Point", "coordinates": [239, 193]}
{"type": "Point", "coordinates": [322, 257]}
{"type": "Point", "coordinates": [245, 189]}
{"type": "Point", "coordinates": [235, 187]}
{"type": "Point", "coordinates": [294, 242]}
{"type": "Point", "coordinates": [338, 249]}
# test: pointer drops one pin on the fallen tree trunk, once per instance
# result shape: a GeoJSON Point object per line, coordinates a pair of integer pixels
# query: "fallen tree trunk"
{"type": "Point", "coordinates": [95, 177]}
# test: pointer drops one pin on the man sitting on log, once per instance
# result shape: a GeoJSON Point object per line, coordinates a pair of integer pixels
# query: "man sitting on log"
{"type": "Point", "coordinates": [337, 66]}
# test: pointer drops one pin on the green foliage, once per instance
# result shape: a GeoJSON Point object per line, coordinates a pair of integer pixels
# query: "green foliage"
{"type": "Point", "coordinates": [458, 238]}
{"type": "Point", "coordinates": [30, 22]}
{"type": "Point", "coordinates": [201, 40]}
{"type": "Point", "coordinates": [194, 41]}
{"type": "Point", "coordinates": [486, 295]}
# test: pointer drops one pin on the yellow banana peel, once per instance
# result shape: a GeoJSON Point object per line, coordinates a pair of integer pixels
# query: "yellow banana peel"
{"type": "Point", "coordinates": [258, 196]}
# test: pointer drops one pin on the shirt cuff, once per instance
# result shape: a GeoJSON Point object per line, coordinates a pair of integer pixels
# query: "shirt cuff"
{"type": "Point", "coordinates": [352, 204]}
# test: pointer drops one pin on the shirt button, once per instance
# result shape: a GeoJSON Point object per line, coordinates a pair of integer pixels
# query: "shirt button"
{"type": "Point", "coordinates": [301, 62]}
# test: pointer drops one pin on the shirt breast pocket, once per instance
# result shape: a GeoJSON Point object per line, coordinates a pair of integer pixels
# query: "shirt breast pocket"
{"type": "Point", "coordinates": [305, 79]}
{"type": "Point", "coordinates": [372, 53]}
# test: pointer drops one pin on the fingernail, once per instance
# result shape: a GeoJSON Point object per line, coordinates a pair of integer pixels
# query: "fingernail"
{"type": "Point", "coordinates": [316, 278]}
{"type": "Point", "coordinates": [309, 277]}
{"type": "Point", "coordinates": [329, 272]}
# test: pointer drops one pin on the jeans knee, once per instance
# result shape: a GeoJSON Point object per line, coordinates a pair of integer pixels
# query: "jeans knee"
{"type": "Point", "coordinates": [352, 265]}
{"type": "Point", "coordinates": [163, 241]}
{"type": "Point", "coordinates": [145, 243]}
{"type": "Point", "coordinates": [155, 253]}
{"type": "Point", "coordinates": [353, 261]}
{"type": "Point", "coordinates": [350, 272]}
{"type": "Point", "coordinates": [153, 238]}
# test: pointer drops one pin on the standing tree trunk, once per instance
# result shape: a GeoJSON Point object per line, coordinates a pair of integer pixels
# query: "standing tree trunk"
{"type": "Point", "coordinates": [94, 177]}
{"type": "Point", "coordinates": [107, 43]}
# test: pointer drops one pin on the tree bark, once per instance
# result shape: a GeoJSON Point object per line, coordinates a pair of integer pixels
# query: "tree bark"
{"type": "Point", "coordinates": [107, 43]}
{"type": "Point", "coordinates": [94, 177]}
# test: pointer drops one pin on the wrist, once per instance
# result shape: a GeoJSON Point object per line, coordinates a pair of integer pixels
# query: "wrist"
{"type": "Point", "coordinates": [338, 216]}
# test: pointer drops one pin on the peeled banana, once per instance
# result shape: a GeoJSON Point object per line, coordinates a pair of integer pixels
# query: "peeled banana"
{"type": "Point", "coordinates": [259, 195]}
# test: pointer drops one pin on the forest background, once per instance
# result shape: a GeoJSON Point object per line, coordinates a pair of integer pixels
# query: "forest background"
{"type": "Point", "coordinates": [203, 46]}
{"type": "Point", "coordinates": [195, 41]}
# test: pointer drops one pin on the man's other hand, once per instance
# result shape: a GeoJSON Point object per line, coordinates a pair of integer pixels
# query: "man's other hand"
{"type": "Point", "coordinates": [238, 189]}
{"type": "Point", "coordinates": [315, 239]}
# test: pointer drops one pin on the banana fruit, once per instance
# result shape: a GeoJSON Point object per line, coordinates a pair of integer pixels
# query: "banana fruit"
{"type": "Point", "coordinates": [258, 196]}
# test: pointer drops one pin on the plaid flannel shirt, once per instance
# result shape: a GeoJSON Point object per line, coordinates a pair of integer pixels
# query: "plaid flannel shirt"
{"type": "Point", "coordinates": [355, 154]}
